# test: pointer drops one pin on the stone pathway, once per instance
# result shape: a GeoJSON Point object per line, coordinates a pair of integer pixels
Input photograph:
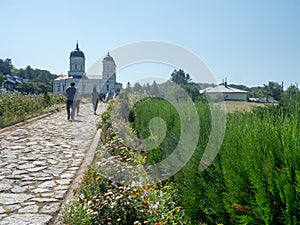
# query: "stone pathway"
{"type": "Point", "coordinates": [38, 162]}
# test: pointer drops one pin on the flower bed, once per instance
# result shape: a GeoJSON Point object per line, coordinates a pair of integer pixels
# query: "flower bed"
{"type": "Point", "coordinates": [100, 199]}
{"type": "Point", "coordinates": [15, 107]}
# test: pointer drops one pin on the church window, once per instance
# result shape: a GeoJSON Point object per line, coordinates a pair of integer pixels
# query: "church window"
{"type": "Point", "coordinates": [75, 66]}
{"type": "Point", "coordinates": [107, 87]}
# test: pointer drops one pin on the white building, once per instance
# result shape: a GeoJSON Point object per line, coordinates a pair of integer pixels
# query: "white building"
{"type": "Point", "coordinates": [224, 92]}
{"type": "Point", "coordinates": [106, 83]}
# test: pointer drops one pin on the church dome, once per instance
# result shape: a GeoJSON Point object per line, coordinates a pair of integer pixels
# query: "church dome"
{"type": "Point", "coordinates": [77, 52]}
{"type": "Point", "coordinates": [108, 58]}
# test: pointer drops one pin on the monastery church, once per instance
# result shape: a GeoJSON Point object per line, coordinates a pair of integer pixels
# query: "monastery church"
{"type": "Point", "coordinates": [106, 84]}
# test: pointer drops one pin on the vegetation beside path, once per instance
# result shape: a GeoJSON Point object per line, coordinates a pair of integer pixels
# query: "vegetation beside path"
{"type": "Point", "coordinates": [254, 179]}
{"type": "Point", "coordinates": [15, 108]}
{"type": "Point", "coordinates": [103, 199]}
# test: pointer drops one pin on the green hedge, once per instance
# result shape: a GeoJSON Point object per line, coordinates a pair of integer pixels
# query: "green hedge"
{"type": "Point", "coordinates": [16, 107]}
{"type": "Point", "coordinates": [255, 179]}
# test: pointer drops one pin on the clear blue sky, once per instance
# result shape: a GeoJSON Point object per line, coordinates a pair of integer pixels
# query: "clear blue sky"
{"type": "Point", "coordinates": [249, 42]}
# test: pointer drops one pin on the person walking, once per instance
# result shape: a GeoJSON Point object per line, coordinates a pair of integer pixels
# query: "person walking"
{"type": "Point", "coordinates": [77, 102]}
{"type": "Point", "coordinates": [95, 99]}
{"type": "Point", "coordinates": [71, 92]}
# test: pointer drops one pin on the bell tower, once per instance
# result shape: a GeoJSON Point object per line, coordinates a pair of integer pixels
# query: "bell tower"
{"type": "Point", "coordinates": [109, 73]}
{"type": "Point", "coordinates": [77, 64]}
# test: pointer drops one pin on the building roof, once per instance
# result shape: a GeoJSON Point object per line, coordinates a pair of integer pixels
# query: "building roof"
{"type": "Point", "coordinates": [10, 79]}
{"type": "Point", "coordinates": [77, 52]}
{"type": "Point", "coordinates": [222, 89]}
{"type": "Point", "coordinates": [108, 58]}
{"type": "Point", "coordinates": [63, 77]}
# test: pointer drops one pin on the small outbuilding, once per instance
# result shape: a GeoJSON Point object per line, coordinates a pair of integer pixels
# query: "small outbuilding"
{"type": "Point", "coordinates": [224, 92]}
{"type": "Point", "coordinates": [11, 82]}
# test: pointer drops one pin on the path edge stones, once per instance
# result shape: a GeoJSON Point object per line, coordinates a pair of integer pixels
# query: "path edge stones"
{"type": "Point", "coordinates": [33, 119]}
{"type": "Point", "coordinates": [88, 159]}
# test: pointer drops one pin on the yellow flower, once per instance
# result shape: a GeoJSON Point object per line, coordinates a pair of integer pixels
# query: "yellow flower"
{"type": "Point", "coordinates": [178, 208]}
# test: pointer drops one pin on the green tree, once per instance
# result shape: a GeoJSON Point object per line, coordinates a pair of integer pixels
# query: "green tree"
{"type": "Point", "coordinates": [29, 87]}
{"type": "Point", "coordinates": [180, 77]}
{"type": "Point", "coordinates": [154, 90]}
{"type": "Point", "coordinates": [137, 87]}
{"type": "Point", "coordinates": [6, 66]}
{"type": "Point", "coordinates": [2, 78]}
{"type": "Point", "coordinates": [274, 90]}
{"type": "Point", "coordinates": [148, 87]}
{"type": "Point", "coordinates": [291, 95]}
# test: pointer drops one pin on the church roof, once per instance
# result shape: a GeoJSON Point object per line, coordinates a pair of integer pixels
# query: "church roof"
{"type": "Point", "coordinates": [77, 52]}
{"type": "Point", "coordinates": [108, 58]}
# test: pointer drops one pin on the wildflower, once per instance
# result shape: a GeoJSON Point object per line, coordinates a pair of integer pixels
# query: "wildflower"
{"type": "Point", "coordinates": [113, 183]}
{"type": "Point", "coordinates": [145, 193]}
{"type": "Point", "coordinates": [155, 206]}
{"type": "Point", "coordinates": [178, 208]}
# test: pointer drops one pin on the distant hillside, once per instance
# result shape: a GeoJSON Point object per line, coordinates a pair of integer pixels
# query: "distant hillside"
{"type": "Point", "coordinates": [40, 81]}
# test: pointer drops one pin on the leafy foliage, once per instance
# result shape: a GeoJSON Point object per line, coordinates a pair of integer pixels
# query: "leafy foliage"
{"type": "Point", "coordinates": [39, 81]}
{"type": "Point", "coordinates": [15, 107]}
{"type": "Point", "coordinates": [104, 201]}
{"type": "Point", "coordinates": [180, 77]}
{"type": "Point", "coordinates": [255, 177]}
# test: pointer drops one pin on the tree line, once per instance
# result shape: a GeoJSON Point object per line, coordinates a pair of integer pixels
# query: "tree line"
{"type": "Point", "coordinates": [36, 80]}
{"type": "Point", "coordinates": [180, 77]}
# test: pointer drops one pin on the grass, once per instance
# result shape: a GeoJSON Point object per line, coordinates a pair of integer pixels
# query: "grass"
{"type": "Point", "coordinates": [254, 179]}
{"type": "Point", "coordinates": [15, 108]}
{"type": "Point", "coordinates": [233, 106]}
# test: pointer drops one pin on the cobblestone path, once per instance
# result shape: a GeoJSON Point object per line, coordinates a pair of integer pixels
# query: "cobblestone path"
{"type": "Point", "coordinates": [38, 162]}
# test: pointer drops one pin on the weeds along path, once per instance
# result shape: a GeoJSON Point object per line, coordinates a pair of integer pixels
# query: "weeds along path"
{"type": "Point", "coordinates": [38, 162]}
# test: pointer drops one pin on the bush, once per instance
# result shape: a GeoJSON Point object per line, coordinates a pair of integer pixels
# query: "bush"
{"type": "Point", "coordinates": [255, 177]}
{"type": "Point", "coordinates": [100, 199]}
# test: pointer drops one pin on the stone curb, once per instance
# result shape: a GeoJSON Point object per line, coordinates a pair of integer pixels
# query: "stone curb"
{"type": "Point", "coordinates": [88, 159]}
{"type": "Point", "coordinates": [28, 121]}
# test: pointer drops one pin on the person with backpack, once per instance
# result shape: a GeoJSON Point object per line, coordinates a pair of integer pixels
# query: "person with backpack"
{"type": "Point", "coordinates": [71, 93]}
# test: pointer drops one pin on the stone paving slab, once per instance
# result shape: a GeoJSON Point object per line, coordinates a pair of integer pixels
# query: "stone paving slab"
{"type": "Point", "coordinates": [38, 162]}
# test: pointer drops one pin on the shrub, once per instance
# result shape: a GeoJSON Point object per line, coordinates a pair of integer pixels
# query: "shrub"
{"type": "Point", "coordinates": [15, 107]}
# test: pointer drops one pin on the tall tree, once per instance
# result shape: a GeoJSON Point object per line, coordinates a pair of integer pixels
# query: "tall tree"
{"type": "Point", "coordinates": [137, 87]}
{"type": "Point", "coordinates": [180, 77]}
{"type": "Point", "coordinates": [274, 90]}
{"type": "Point", "coordinates": [6, 66]}
{"type": "Point", "coordinates": [154, 89]}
